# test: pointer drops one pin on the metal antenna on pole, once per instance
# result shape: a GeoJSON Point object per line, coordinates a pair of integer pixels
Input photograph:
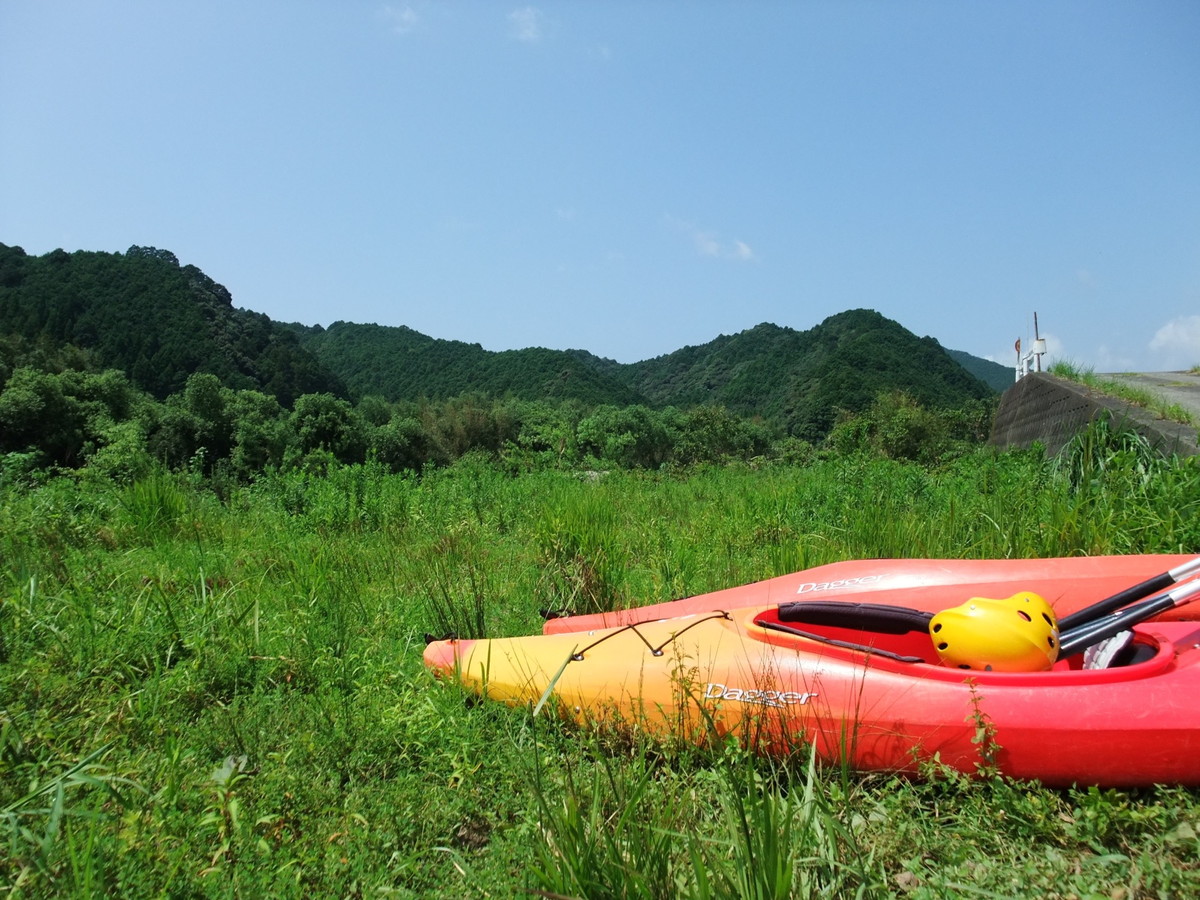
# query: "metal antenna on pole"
{"type": "Point", "coordinates": [1039, 344]}
{"type": "Point", "coordinates": [1036, 338]}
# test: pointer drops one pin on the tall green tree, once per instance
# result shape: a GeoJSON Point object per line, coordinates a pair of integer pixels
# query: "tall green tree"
{"type": "Point", "coordinates": [260, 433]}
{"type": "Point", "coordinates": [633, 437]}
{"type": "Point", "coordinates": [323, 422]}
{"type": "Point", "coordinates": [37, 415]}
{"type": "Point", "coordinates": [713, 434]}
{"type": "Point", "coordinates": [402, 444]}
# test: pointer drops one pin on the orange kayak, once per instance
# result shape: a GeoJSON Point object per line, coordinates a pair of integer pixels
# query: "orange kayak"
{"type": "Point", "coordinates": [870, 697]}
{"type": "Point", "coordinates": [1068, 583]}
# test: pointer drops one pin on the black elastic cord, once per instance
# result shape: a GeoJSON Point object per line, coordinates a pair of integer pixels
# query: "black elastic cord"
{"type": "Point", "coordinates": [577, 656]}
{"type": "Point", "coordinates": [846, 645]}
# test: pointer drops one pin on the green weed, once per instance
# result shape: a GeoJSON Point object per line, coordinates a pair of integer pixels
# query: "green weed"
{"type": "Point", "coordinates": [169, 632]}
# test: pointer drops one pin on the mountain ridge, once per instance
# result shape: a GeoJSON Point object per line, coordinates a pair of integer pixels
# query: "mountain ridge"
{"type": "Point", "coordinates": [160, 321]}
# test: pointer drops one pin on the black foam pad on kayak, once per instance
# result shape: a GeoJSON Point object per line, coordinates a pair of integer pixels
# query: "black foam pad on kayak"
{"type": "Point", "coordinates": [873, 617]}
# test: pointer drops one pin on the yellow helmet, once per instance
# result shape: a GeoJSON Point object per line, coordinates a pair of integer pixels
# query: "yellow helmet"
{"type": "Point", "coordinates": [1018, 634]}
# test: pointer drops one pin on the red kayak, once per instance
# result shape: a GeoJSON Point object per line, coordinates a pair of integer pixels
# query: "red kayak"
{"type": "Point", "coordinates": [927, 584]}
{"type": "Point", "coordinates": [870, 686]}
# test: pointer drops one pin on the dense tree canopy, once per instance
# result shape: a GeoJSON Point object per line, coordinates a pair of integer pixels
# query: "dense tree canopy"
{"type": "Point", "coordinates": [159, 322]}
{"type": "Point", "coordinates": [58, 417]}
{"type": "Point", "coordinates": [120, 361]}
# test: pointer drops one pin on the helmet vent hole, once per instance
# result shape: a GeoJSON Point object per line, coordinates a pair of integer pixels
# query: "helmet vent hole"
{"type": "Point", "coordinates": [937, 627]}
{"type": "Point", "coordinates": [1049, 621]}
{"type": "Point", "coordinates": [1024, 615]}
{"type": "Point", "coordinates": [943, 645]}
{"type": "Point", "coordinates": [1050, 640]}
{"type": "Point", "coordinates": [963, 666]}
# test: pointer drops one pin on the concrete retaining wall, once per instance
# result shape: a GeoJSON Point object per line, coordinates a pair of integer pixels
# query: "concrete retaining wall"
{"type": "Point", "coordinates": [1048, 410]}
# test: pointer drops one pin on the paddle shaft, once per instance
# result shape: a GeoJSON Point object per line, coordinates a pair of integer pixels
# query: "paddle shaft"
{"type": "Point", "coordinates": [1129, 595]}
{"type": "Point", "coordinates": [1082, 637]}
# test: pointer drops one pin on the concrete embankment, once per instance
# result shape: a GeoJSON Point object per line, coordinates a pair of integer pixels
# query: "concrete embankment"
{"type": "Point", "coordinates": [1041, 408]}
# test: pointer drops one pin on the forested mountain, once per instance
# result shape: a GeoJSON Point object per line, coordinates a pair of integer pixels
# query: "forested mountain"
{"type": "Point", "coordinates": [398, 363]}
{"type": "Point", "coordinates": [143, 313]}
{"type": "Point", "coordinates": [999, 378]}
{"type": "Point", "coordinates": [800, 379]}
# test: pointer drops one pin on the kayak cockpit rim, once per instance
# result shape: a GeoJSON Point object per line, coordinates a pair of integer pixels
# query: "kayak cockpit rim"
{"type": "Point", "coordinates": [903, 644]}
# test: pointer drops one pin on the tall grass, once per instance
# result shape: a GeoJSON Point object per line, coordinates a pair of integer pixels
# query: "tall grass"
{"type": "Point", "coordinates": [582, 551]}
{"type": "Point", "coordinates": [204, 696]}
{"type": "Point", "coordinates": [731, 826]}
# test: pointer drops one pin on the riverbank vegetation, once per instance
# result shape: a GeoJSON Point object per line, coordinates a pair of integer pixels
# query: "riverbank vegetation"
{"type": "Point", "coordinates": [160, 322]}
{"type": "Point", "coordinates": [57, 412]}
{"type": "Point", "coordinates": [212, 685]}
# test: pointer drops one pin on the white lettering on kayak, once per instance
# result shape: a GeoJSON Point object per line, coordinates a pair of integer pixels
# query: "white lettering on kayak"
{"type": "Point", "coordinates": [716, 690]}
{"type": "Point", "coordinates": [809, 587]}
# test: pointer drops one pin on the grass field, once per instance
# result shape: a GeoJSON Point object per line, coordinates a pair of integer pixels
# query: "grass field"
{"type": "Point", "coordinates": [202, 698]}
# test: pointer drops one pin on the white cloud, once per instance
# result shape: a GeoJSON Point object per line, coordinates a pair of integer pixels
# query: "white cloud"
{"type": "Point", "coordinates": [742, 251]}
{"type": "Point", "coordinates": [402, 19]}
{"type": "Point", "coordinates": [526, 24]}
{"type": "Point", "coordinates": [1177, 344]}
{"type": "Point", "coordinates": [1106, 360]}
{"type": "Point", "coordinates": [707, 243]}
{"type": "Point", "coordinates": [1182, 333]}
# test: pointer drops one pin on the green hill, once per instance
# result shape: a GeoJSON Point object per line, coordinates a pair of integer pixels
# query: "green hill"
{"type": "Point", "coordinates": [398, 363]}
{"type": "Point", "coordinates": [999, 378]}
{"type": "Point", "coordinates": [800, 379]}
{"type": "Point", "coordinates": [145, 314]}
{"type": "Point", "coordinates": [796, 380]}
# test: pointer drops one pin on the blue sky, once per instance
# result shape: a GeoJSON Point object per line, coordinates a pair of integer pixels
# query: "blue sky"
{"type": "Point", "coordinates": [631, 177]}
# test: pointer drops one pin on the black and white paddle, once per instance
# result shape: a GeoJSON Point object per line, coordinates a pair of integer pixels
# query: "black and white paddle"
{"type": "Point", "coordinates": [1091, 613]}
{"type": "Point", "coordinates": [1083, 636]}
